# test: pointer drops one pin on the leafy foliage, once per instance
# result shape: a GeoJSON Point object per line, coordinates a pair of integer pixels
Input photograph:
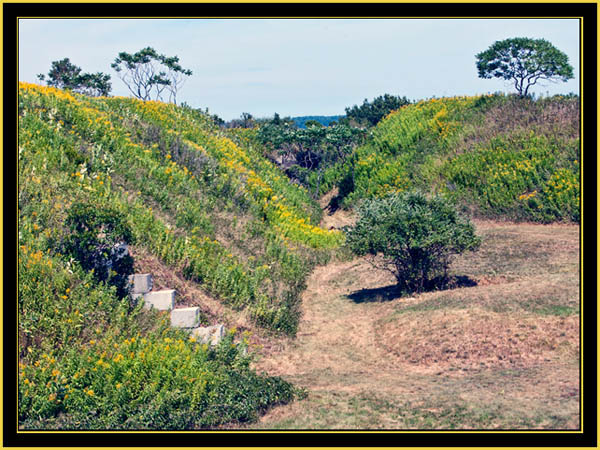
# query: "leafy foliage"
{"type": "Point", "coordinates": [415, 236]}
{"type": "Point", "coordinates": [524, 61]}
{"type": "Point", "coordinates": [370, 113]}
{"type": "Point", "coordinates": [307, 153]}
{"type": "Point", "coordinates": [494, 156]}
{"type": "Point", "coordinates": [97, 239]}
{"type": "Point", "coordinates": [88, 358]}
{"type": "Point", "coordinates": [90, 362]}
{"type": "Point", "coordinates": [65, 75]}
{"type": "Point", "coordinates": [198, 180]}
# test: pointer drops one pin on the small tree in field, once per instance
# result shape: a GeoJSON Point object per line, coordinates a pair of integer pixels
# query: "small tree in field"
{"type": "Point", "coordinates": [524, 61]}
{"type": "Point", "coordinates": [412, 236]}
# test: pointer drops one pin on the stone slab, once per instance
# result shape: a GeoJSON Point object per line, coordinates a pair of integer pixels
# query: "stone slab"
{"type": "Point", "coordinates": [162, 300]}
{"type": "Point", "coordinates": [140, 283]}
{"type": "Point", "coordinates": [120, 250]}
{"type": "Point", "coordinates": [209, 335]}
{"type": "Point", "coordinates": [185, 317]}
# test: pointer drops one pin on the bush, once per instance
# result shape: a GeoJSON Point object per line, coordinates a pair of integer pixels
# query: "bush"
{"type": "Point", "coordinates": [97, 241]}
{"type": "Point", "coordinates": [412, 236]}
{"type": "Point", "coordinates": [370, 113]}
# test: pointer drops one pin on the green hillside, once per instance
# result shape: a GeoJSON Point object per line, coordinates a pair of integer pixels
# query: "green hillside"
{"type": "Point", "coordinates": [496, 156]}
{"type": "Point", "coordinates": [200, 199]}
{"type": "Point", "coordinates": [207, 204]}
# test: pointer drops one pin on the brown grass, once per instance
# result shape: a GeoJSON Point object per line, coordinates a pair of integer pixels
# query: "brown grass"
{"type": "Point", "coordinates": [474, 338]}
{"type": "Point", "coordinates": [501, 354]}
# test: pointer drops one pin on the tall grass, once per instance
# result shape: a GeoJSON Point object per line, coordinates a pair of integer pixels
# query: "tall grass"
{"type": "Point", "coordinates": [148, 153]}
{"type": "Point", "coordinates": [495, 156]}
{"type": "Point", "coordinates": [92, 360]}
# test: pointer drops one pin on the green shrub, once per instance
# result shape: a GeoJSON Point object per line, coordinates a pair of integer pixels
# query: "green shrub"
{"type": "Point", "coordinates": [96, 239]}
{"type": "Point", "coordinates": [411, 236]}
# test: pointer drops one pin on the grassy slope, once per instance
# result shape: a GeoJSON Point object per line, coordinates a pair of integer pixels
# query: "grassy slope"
{"type": "Point", "coordinates": [202, 202]}
{"type": "Point", "coordinates": [496, 156]}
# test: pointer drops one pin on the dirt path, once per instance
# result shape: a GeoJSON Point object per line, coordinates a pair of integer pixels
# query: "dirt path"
{"type": "Point", "coordinates": [331, 321]}
{"type": "Point", "coordinates": [466, 358]}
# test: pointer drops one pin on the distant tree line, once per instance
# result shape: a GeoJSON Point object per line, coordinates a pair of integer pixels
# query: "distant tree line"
{"type": "Point", "coordinates": [370, 113]}
{"type": "Point", "coordinates": [304, 121]}
{"type": "Point", "coordinates": [150, 75]}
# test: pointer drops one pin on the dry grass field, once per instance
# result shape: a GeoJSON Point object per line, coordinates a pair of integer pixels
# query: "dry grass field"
{"type": "Point", "coordinates": [498, 351]}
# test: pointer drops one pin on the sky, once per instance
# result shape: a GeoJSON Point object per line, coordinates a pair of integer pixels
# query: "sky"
{"type": "Point", "coordinates": [297, 67]}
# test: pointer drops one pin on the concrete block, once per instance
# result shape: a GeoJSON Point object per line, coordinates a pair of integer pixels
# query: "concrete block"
{"type": "Point", "coordinates": [209, 335]}
{"type": "Point", "coordinates": [120, 250]}
{"type": "Point", "coordinates": [161, 300]}
{"type": "Point", "coordinates": [140, 283]}
{"type": "Point", "coordinates": [185, 317]}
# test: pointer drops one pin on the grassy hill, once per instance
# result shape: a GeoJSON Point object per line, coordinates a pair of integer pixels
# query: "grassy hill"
{"type": "Point", "coordinates": [202, 201]}
{"type": "Point", "coordinates": [203, 204]}
{"type": "Point", "coordinates": [496, 156]}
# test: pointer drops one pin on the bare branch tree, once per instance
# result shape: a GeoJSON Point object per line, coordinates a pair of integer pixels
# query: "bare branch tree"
{"type": "Point", "coordinates": [148, 74]}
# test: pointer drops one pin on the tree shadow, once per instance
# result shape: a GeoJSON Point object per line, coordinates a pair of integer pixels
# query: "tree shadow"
{"type": "Point", "coordinates": [392, 292]}
{"type": "Point", "coordinates": [382, 294]}
{"type": "Point", "coordinates": [334, 204]}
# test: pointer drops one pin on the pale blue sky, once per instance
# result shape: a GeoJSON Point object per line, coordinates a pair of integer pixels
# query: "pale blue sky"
{"type": "Point", "coordinates": [297, 66]}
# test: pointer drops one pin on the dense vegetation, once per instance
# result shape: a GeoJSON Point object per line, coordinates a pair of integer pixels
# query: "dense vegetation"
{"type": "Point", "coordinates": [205, 201]}
{"type": "Point", "coordinates": [494, 156]}
{"type": "Point", "coordinates": [371, 112]}
{"type": "Point", "coordinates": [201, 199]}
{"type": "Point", "coordinates": [308, 155]}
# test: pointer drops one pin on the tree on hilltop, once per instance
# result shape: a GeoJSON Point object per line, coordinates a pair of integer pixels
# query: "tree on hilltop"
{"type": "Point", "coordinates": [524, 61]}
{"type": "Point", "coordinates": [149, 74]}
{"type": "Point", "coordinates": [64, 74]}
